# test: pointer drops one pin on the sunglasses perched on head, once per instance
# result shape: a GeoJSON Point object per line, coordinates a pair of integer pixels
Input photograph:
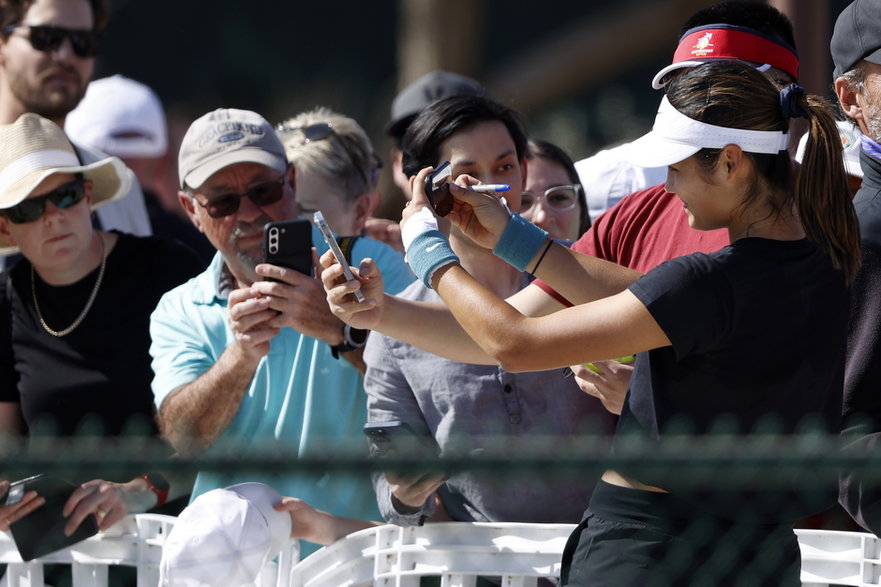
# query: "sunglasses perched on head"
{"type": "Point", "coordinates": [322, 130]}
{"type": "Point", "coordinates": [263, 194]}
{"type": "Point", "coordinates": [33, 209]}
{"type": "Point", "coordinates": [558, 198]}
{"type": "Point", "coordinates": [85, 43]}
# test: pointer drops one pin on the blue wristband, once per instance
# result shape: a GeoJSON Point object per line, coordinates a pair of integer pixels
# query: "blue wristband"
{"type": "Point", "coordinates": [520, 242]}
{"type": "Point", "coordinates": [427, 253]}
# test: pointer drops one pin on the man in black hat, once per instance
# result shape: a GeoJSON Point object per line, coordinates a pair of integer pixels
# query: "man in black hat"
{"type": "Point", "coordinates": [856, 51]}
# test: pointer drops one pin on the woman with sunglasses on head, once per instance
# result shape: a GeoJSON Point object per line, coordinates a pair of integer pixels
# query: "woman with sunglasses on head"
{"type": "Point", "coordinates": [74, 311]}
{"type": "Point", "coordinates": [552, 198]}
{"type": "Point", "coordinates": [745, 340]}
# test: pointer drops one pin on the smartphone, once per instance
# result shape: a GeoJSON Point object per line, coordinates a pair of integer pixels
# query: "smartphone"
{"type": "Point", "coordinates": [289, 244]}
{"type": "Point", "coordinates": [437, 189]}
{"type": "Point", "coordinates": [42, 531]}
{"type": "Point", "coordinates": [397, 439]}
{"type": "Point", "coordinates": [327, 235]}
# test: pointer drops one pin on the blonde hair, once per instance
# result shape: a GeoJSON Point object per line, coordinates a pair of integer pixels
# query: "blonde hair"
{"type": "Point", "coordinates": [340, 152]}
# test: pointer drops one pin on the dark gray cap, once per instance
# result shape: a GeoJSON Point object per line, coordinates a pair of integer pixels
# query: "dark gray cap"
{"type": "Point", "coordinates": [427, 89]}
{"type": "Point", "coordinates": [857, 36]}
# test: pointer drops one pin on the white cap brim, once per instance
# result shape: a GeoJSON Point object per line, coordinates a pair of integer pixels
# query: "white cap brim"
{"type": "Point", "coordinates": [676, 137]}
{"type": "Point", "coordinates": [655, 150]}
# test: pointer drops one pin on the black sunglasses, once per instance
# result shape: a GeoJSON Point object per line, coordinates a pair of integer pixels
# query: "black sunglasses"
{"type": "Point", "coordinates": [261, 195]}
{"type": "Point", "coordinates": [49, 38]}
{"type": "Point", "coordinates": [33, 209]}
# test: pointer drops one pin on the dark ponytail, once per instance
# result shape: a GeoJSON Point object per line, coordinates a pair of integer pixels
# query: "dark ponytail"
{"type": "Point", "coordinates": [821, 191]}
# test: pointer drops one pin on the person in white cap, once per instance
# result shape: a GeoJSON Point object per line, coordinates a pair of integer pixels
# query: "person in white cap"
{"type": "Point", "coordinates": [125, 118]}
{"type": "Point", "coordinates": [743, 29]}
{"type": "Point", "coordinates": [74, 312]}
{"type": "Point", "coordinates": [647, 227]}
{"type": "Point", "coordinates": [47, 55]}
{"type": "Point", "coordinates": [712, 330]}
{"type": "Point", "coordinates": [247, 355]}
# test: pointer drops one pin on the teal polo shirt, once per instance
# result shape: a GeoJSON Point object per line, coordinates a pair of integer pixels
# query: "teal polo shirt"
{"type": "Point", "coordinates": [301, 400]}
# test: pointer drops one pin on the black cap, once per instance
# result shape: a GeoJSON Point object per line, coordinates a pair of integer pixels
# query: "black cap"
{"type": "Point", "coordinates": [428, 89]}
{"type": "Point", "coordinates": [857, 36]}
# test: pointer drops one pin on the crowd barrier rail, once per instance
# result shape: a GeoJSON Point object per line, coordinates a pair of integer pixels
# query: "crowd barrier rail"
{"type": "Point", "coordinates": [519, 555]}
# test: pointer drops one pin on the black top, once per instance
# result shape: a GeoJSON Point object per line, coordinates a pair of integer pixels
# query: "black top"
{"type": "Point", "coordinates": [99, 375]}
{"type": "Point", "coordinates": [758, 342]}
{"type": "Point", "coordinates": [863, 380]}
{"type": "Point", "coordinates": [862, 385]}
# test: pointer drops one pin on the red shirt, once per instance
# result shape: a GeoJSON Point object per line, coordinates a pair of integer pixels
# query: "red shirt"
{"type": "Point", "coordinates": [642, 231]}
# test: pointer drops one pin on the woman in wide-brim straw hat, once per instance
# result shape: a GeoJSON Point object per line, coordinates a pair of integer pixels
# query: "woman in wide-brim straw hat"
{"type": "Point", "coordinates": [75, 310]}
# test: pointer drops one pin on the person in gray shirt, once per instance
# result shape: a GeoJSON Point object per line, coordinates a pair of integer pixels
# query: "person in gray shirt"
{"type": "Point", "coordinates": [475, 409]}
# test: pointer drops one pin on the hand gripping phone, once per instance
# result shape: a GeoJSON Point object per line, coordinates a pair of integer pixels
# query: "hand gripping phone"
{"type": "Point", "coordinates": [397, 439]}
{"type": "Point", "coordinates": [438, 190]}
{"type": "Point", "coordinates": [288, 243]}
{"type": "Point", "coordinates": [327, 235]}
{"type": "Point", "coordinates": [42, 531]}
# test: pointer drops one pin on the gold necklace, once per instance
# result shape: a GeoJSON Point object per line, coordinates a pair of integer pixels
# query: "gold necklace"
{"type": "Point", "coordinates": [82, 316]}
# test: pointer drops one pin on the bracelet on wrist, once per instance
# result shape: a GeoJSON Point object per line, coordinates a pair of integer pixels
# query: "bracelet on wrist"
{"type": "Point", "coordinates": [540, 259]}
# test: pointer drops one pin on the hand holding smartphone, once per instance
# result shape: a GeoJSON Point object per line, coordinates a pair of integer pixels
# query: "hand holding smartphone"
{"type": "Point", "coordinates": [395, 438]}
{"type": "Point", "coordinates": [327, 235]}
{"type": "Point", "coordinates": [42, 531]}
{"type": "Point", "coordinates": [438, 190]}
{"type": "Point", "coordinates": [288, 244]}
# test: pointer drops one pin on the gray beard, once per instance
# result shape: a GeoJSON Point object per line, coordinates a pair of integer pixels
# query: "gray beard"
{"type": "Point", "coordinates": [872, 117]}
{"type": "Point", "coordinates": [248, 262]}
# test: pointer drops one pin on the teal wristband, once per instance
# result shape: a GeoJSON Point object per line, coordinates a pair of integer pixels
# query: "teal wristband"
{"type": "Point", "coordinates": [427, 253]}
{"type": "Point", "coordinates": [520, 242]}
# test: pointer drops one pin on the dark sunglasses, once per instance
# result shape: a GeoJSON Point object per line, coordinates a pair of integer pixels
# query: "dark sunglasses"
{"type": "Point", "coordinates": [49, 38]}
{"type": "Point", "coordinates": [33, 209]}
{"type": "Point", "coordinates": [261, 195]}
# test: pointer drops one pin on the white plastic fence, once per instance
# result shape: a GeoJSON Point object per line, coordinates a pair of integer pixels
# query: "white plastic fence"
{"type": "Point", "coordinates": [457, 552]}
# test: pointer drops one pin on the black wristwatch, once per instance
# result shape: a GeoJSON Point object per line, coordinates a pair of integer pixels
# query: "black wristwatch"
{"type": "Point", "coordinates": [353, 338]}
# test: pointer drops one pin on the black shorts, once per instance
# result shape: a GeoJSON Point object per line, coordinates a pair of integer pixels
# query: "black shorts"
{"type": "Point", "coordinates": [630, 537]}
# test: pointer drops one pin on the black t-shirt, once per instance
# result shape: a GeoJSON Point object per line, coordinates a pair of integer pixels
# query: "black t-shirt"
{"type": "Point", "coordinates": [758, 334]}
{"type": "Point", "coordinates": [99, 375]}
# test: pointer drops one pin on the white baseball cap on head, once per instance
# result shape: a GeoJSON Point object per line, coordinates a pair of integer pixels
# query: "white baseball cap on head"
{"type": "Point", "coordinates": [224, 538]}
{"type": "Point", "coordinates": [121, 117]}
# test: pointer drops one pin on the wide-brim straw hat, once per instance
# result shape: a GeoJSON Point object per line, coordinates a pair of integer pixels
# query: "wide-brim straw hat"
{"type": "Point", "coordinates": [33, 148]}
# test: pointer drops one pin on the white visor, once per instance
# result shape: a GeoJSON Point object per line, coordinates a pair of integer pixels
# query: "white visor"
{"type": "Point", "coordinates": [676, 137]}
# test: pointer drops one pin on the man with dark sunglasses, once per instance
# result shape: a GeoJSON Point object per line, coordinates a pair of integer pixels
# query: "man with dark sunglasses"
{"type": "Point", "coordinates": [47, 56]}
{"type": "Point", "coordinates": [245, 363]}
